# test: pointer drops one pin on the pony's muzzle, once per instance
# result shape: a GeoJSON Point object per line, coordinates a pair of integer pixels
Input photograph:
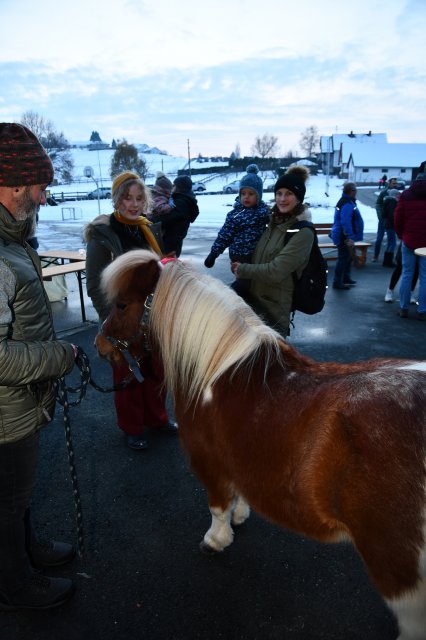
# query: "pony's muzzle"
{"type": "Point", "coordinates": [106, 350]}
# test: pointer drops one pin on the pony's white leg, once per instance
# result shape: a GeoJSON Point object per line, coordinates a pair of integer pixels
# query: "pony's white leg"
{"type": "Point", "coordinates": [411, 614]}
{"type": "Point", "coordinates": [240, 511]}
{"type": "Point", "coordinates": [220, 534]}
{"type": "Point", "coordinates": [410, 609]}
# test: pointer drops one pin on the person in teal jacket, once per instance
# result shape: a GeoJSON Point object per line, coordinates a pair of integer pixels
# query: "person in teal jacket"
{"type": "Point", "coordinates": [348, 228]}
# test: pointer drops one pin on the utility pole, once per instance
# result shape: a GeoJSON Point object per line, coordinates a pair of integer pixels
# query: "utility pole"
{"type": "Point", "coordinates": [189, 159]}
{"type": "Point", "coordinates": [327, 179]}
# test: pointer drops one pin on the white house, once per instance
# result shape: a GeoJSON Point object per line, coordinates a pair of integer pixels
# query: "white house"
{"type": "Point", "coordinates": [368, 163]}
{"type": "Point", "coordinates": [336, 148]}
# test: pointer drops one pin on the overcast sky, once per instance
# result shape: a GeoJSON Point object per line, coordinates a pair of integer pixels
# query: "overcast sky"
{"type": "Point", "coordinates": [216, 73]}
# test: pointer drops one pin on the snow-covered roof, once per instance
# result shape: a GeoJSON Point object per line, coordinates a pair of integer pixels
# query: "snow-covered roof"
{"type": "Point", "coordinates": [341, 138]}
{"type": "Point", "coordinates": [404, 155]}
{"type": "Point", "coordinates": [348, 146]}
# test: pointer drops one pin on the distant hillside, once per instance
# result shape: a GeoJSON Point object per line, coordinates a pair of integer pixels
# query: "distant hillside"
{"type": "Point", "coordinates": [101, 146]}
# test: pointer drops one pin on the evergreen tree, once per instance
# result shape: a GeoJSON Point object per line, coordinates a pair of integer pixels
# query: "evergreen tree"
{"type": "Point", "coordinates": [95, 137]}
{"type": "Point", "coordinates": [126, 158]}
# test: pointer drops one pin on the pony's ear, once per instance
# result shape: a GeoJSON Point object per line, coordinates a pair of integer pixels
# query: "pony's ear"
{"type": "Point", "coordinates": [141, 280]}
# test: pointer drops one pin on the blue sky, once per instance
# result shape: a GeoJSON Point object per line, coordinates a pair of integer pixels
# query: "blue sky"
{"type": "Point", "coordinates": [215, 73]}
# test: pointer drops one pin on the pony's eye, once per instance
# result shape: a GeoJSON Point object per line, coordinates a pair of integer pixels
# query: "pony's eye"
{"type": "Point", "coordinates": [120, 305]}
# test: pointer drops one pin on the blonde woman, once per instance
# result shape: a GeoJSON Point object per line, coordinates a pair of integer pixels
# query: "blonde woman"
{"type": "Point", "coordinates": [107, 237]}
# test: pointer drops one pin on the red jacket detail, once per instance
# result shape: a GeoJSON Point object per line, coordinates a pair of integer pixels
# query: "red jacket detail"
{"type": "Point", "coordinates": [410, 216]}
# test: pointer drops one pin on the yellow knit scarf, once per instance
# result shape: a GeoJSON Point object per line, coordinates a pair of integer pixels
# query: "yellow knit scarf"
{"type": "Point", "coordinates": [143, 223]}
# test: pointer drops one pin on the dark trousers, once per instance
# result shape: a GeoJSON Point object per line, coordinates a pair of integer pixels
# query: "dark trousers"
{"type": "Point", "coordinates": [18, 462]}
{"type": "Point", "coordinates": [342, 272]}
{"type": "Point", "coordinates": [396, 273]}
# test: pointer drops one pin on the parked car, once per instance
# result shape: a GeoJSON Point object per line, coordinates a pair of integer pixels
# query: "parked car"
{"type": "Point", "coordinates": [101, 193]}
{"type": "Point", "coordinates": [269, 186]}
{"type": "Point", "coordinates": [232, 187]}
{"type": "Point", "coordinates": [198, 186]}
{"type": "Point", "coordinates": [400, 184]}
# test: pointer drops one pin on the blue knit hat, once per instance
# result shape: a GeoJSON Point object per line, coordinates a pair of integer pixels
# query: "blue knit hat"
{"type": "Point", "coordinates": [252, 181]}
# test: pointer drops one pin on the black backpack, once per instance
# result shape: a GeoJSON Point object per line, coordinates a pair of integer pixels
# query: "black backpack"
{"type": "Point", "coordinates": [309, 289]}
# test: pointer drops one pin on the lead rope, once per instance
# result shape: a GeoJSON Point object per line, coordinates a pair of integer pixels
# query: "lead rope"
{"type": "Point", "coordinates": [62, 397]}
{"type": "Point", "coordinates": [83, 363]}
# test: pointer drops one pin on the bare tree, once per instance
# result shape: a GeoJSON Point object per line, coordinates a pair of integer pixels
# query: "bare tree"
{"type": "Point", "coordinates": [55, 143]}
{"type": "Point", "coordinates": [265, 146]}
{"type": "Point", "coordinates": [34, 122]}
{"type": "Point", "coordinates": [309, 140]}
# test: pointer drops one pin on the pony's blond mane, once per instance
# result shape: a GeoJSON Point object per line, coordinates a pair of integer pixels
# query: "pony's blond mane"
{"type": "Point", "coordinates": [202, 328]}
{"type": "Point", "coordinates": [115, 274]}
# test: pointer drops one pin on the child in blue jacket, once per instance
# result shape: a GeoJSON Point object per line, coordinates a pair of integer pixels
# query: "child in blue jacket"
{"type": "Point", "coordinates": [243, 225]}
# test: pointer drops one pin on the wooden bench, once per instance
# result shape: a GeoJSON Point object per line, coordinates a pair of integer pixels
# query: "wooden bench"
{"type": "Point", "coordinates": [324, 229]}
{"type": "Point", "coordinates": [62, 269]}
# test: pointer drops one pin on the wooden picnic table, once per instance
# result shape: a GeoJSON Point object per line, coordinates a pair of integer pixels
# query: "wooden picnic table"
{"type": "Point", "coordinates": [73, 266]}
{"type": "Point", "coordinates": [62, 255]}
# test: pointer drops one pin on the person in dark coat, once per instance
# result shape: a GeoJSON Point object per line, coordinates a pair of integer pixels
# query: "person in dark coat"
{"type": "Point", "coordinates": [138, 405]}
{"type": "Point", "coordinates": [31, 360]}
{"type": "Point", "coordinates": [176, 224]}
{"type": "Point", "coordinates": [410, 226]}
{"type": "Point", "coordinates": [389, 204]}
{"type": "Point", "coordinates": [392, 184]}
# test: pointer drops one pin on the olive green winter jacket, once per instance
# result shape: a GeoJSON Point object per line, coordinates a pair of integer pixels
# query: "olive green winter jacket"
{"type": "Point", "coordinates": [272, 267]}
{"type": "Point", "coordinates": [31, 359]}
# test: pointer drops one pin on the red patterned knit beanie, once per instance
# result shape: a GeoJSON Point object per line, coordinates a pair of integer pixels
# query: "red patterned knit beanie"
{"type": "Point", "coordinates": [23, 160]}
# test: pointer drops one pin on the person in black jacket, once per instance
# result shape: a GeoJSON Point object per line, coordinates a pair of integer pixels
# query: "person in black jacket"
{"type": "Point", "coordinates": [176, 224]}
{"type": "Point", "coordinates": [388, 208]}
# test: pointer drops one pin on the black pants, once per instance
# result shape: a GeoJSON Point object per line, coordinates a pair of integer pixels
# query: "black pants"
{"type": "Point", "coordinates": [342, 270]}
{"type": "Point", "coordinates": [17, 476]}
{"type": "Point", "coordinates": [396, 273]}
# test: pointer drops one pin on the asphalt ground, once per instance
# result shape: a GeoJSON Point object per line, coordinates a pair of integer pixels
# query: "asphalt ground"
{"type": "Point", "coordinates": [142, 575]}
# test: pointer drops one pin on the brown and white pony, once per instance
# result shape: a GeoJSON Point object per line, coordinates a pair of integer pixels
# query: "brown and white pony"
{"type": "Point", "coordinates": [332, 451]}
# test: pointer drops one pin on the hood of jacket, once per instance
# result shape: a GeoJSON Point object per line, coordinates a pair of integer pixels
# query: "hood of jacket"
{"type": "Point", "coordinates": [90, 227]}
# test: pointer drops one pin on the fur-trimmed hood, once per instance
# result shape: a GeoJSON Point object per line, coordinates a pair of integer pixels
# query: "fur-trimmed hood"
{"type": "Point", "coordinates": [90, 226]}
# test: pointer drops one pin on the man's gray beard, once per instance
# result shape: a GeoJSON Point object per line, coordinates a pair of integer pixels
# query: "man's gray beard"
{"type": "Point", "coordinates": [27, 209]}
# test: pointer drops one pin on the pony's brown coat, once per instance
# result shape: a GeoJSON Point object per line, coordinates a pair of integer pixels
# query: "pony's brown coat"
{"type": "Point", "coordinates": [328, 450]}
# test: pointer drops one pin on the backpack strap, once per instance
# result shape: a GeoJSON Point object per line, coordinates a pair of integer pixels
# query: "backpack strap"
{"type": "Point", "coordinates": [301, 224]}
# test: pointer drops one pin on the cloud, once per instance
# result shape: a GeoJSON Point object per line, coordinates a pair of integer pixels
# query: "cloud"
{"type": "Point", "coordinates": [217, 74]}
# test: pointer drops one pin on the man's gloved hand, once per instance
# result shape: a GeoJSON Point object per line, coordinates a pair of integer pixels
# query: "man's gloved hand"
{"type": "Point", "coordinates": [209, 261]}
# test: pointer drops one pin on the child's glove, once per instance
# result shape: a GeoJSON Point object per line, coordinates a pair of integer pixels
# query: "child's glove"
{"type": "Point", "coordinates": [172, 203]}
{"type": "Point", "coordinates": [209, 261]}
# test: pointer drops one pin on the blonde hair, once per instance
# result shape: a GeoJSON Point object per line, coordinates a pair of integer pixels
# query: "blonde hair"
{"type": "Point", "coordinates": [121, 186]}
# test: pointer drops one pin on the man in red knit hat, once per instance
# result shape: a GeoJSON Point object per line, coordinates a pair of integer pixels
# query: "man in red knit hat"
{"type": "Point", "coordinates": [31, 359]}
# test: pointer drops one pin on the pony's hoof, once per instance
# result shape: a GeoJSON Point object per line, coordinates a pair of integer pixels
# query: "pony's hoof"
{"type": "Point", "coordinates": [207, 549]}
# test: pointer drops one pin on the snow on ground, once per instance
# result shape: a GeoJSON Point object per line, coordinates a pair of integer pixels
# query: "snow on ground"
{"type": "Point", "coordinates": [214, 205]}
